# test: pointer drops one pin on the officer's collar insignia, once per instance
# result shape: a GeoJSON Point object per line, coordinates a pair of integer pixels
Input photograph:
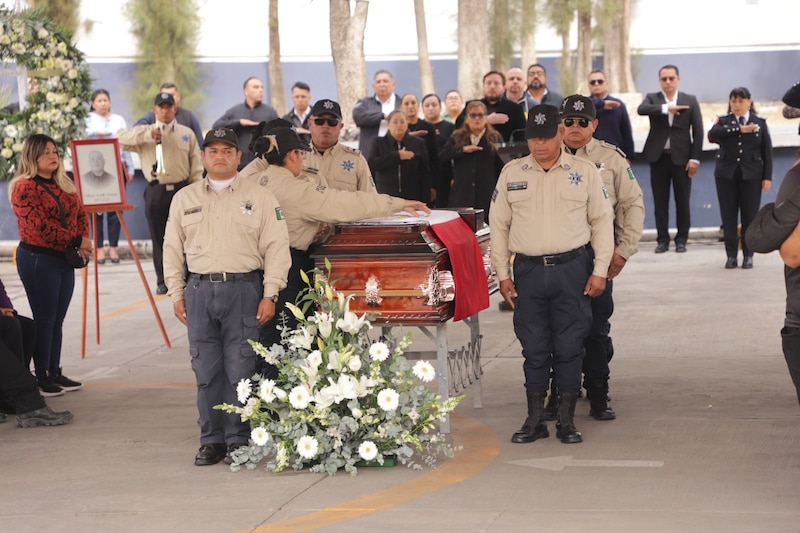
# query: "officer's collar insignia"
{"type": "Point", "coordinates": [525, 166]}
{"type": "Point", "coordinates": [600, 166]}
{"type": "Point", "coordinates": [540, 119]}
{"type": "Point", "coordinates": [348, 165]}
{"type": "Point", "coordinates": [321, 188]}
{"type": "Point", "coordinates": [575, 178]}
{"type": "Point", "coordinates": [247, 207]}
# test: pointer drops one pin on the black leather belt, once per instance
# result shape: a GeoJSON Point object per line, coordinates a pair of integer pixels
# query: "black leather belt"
{"type": "Point", "coordinates": [223, 277]}
{"type": "Point", "coordinates": [555, 259]}
{"type": "Point", "coordinates": [154, 182]}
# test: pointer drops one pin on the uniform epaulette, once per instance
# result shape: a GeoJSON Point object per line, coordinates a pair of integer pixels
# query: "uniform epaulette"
{"type": "Point", "coordinates": [613, 147]}
{"type": "Point", "coordinates": [350, 149]}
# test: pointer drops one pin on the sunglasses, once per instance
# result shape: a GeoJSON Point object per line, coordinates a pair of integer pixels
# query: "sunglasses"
{"type": "Point", "coordinates": [582, 122]}
{"type": "Point", "coordinates": [476, 115]}
{"type": "Point", "coordinates": [668, 78]}
{"type": "Point", "coordinates": [596, 82]}
{"type": "Point", "coordinates": [332, 122]}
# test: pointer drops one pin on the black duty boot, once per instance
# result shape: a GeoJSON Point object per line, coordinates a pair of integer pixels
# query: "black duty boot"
{"type": "Point", "coordinates": [565, 427]}
{"type": "Point", "coordinates": [597, 391]}
{"type": "Point", "coordinates": [551, 409]}
{"type": "Point", "coordinates": [534, 427]}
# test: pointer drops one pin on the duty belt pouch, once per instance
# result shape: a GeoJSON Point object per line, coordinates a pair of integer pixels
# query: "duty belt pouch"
{"type": "Point", "coordinates": [71, 253]}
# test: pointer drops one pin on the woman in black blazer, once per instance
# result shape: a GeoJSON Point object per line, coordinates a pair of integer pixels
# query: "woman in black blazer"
{"type": "Point", "coordinates": [743, 171]}
{"type": "Point", "coordinates": [399, 162]}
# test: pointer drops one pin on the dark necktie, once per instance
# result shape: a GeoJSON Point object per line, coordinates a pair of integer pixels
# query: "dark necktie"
{"type": "Point", "coordinates": [741, 121]}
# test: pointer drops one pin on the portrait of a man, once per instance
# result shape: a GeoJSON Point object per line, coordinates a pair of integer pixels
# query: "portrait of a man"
{"type": "Point", "coordinates": [98, 185]}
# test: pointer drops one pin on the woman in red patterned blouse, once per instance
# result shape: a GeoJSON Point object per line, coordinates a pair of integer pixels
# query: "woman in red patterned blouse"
{"type": "Point", "coordinates": [48, 279]}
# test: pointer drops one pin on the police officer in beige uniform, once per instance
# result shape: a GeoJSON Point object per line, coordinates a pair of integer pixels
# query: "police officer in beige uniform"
{"type": "Point", "coordinates": [580, 121]}
{"type": "Point", "coordinates": [551, 210]}
{"type": "Point", "coordinates": [308, 205]}
{"type": "Point", "coordinates": [236, 247]}
{"type": "Point", "coordinates": [340, 166]}
{"type": "Point", "coordinates": [170, 161]}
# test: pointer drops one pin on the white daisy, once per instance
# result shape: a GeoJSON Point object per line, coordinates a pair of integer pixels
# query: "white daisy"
{"type": "Point", "coordinates": [307, 447]}
{"type": "Point", "coordinates": [367, 450]}
{"type": "Point", "coordinates": [243, 390]}
{"type": "Point", "coordinates": [259, 436]}
{"type": "Point", "coordinates": [299, 397]}
{"type": "Point", "coordinates": [424, 371]}
{"type": "Point", "coordinates": [379, 351]}
{"type": "Point", "coordinates": [388, 399]}
{"type": "Point", "coordinates": [267, 390]}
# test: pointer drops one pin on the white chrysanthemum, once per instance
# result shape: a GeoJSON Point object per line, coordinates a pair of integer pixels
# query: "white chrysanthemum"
{"type": "Point", "coordinates": [259, 436]}
{"type": "Point", "coordinates": [388, 399]}
{"type": "Point", "coordinates": [367, 450]}
{"type": "Point", "coordinates": [307, 447]}
{"type": "Point", "coordinates": [243, 390]}
{"type": "Point", "coordinates": [314, 358]}
{"type": "Point", "coordinates": [379, 351]}
{"type": "Point", "coordinates": [424, 371]}
{"type": "Point", "coordinates": [299, 397]}
{"type": "Point", "coordinates": [267, 390]}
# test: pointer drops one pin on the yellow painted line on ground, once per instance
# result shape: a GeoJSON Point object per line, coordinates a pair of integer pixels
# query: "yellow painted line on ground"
{"type": "Point", "coordinates": [132, 307]}
{"type": "Point", "coordinates": [481, 446]}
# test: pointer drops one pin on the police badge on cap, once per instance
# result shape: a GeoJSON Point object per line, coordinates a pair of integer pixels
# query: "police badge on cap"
{"type": "Point", "coordinates": [221, 135]}
{"type": "Point", "coordinates": [164, 98]}
{"type": "Point", "coordinates": [543, 121]}
{"type": "Point", "coordinates": [579, 106]}
{"type": "Point", "coordinates": [327, 107]}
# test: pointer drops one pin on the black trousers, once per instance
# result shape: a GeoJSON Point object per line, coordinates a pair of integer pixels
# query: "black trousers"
{"type": "Point", "coordinates": [18, 390]}
{"type": "Point", "coordinates": [598, 345]}
{"type": "Point", "coordinates": [157, 199]}
{"type": "Point", "coordinates": [790, 338]}
{"type": "Point", "coordinates": [737, 195]}
{"type": "Point", "coordinates": [664, 173]}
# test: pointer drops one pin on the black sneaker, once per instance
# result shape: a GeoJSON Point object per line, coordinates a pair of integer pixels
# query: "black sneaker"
{"type": "Point", "coordinates": [43, 417]}
{"type": "Point", "coordinates": [161, 289]}
{"type": "Point", "coordinates": [67, 384]}
{"type": "Point", "coordinates": [48, 388]}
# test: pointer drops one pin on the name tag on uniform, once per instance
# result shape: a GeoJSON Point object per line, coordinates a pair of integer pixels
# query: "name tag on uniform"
{"type": "Point", "coordinates": [517, 186]}
{"type": "Point", "coordinates": [192, 210]}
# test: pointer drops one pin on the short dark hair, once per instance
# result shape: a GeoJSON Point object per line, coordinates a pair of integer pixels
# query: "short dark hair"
{"type": "Point", "coordinates": [168, 85]}
{"type": "Point", "coordinates": [301, 85]}
{"type": "Point", "coordinates": [382, 71]}
{"type": "Point", "coordinates": [598, 71]}
{"type": "Point", "coordinates": [244, 85]}
{"type": "Point", "coordinates": [677, 73]}
{"type": "Point", "coordinates": [536, 65]}
{"type": "Point", "coordinates": [95, 94]}
{"type": "Point", "coordinates": [432, 95]}
{"type": "Point", "coordinates": [493, 73]}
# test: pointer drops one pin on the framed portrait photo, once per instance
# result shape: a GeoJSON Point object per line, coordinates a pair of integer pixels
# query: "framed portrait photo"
{"type": "Point", "coordinates": [98, 173]}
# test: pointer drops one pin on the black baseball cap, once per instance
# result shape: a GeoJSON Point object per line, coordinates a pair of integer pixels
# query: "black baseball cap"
{"type": "Point", "coordinates": [327, 107]}
{"type": "Point", "coordinates": [287, 140]}
{"type": "Point", "coordinates": [164, 98]}
{"type": "Point", "coordinates": [577, 105]}
{"type": "Point", "coordinates": [221, 135]}
{"type": "Point", "coordinates": [543, 121]}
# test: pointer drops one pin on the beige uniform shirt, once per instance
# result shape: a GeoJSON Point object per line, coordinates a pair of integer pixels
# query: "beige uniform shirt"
{"type": "Point", "coordinates": [179, 145]}
{"type": "Point", "coordinates": [542, 213]}
{"type": "Point", "coordinates": [339, 167]}
{"type": "Point", "coordinates": [624, 193]}
{"type": "Point", "coordinates": [239, 229]}
{"type": "Point", "coordinates": [307, 204]}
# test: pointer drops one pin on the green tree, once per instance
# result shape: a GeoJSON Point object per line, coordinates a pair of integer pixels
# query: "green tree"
{"type": "Point", "coordinates": [166, 34]}
{"type": "Point", "coordinates": [560, 14]}
{"type": "Point", "coordinates": [501, 34]}
{"type": "Point", "coordinates": [63, 13]}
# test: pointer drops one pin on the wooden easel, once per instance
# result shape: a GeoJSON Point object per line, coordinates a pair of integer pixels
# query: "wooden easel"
{"type": "Point", "coordinates": [85, 277]}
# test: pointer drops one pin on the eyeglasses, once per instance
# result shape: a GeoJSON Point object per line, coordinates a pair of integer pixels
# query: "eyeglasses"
{"type": "Point", "coordinates": [332, 122]}
{"type": "Point", "coordinates": [582, 122]}
{"type": "Point", "coordinates": [536, 73]}
{"type": "Point", "coordinates": [596, 82]}
{"type": "Point", "coordinates": [668, 78]}
{"type": "Point", "coordinates": [476, 115]}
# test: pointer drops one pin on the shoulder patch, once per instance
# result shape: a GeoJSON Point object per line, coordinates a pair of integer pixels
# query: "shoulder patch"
{"type": "Point", "coordinates": [278, 213]}
{"type": "Point", "coordinates": [605, 192]}
{"type": "Point", "coordinates": [630, 174]}
{"type": "Point", "coordinates": [494, 194]}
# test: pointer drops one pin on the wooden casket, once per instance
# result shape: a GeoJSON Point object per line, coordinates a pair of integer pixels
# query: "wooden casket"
{"type": "Point", "coordinates": [398, 267]}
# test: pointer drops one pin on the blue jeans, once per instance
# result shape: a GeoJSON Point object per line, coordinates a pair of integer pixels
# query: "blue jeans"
{"type": "Point", "coordinates": [49, 282]}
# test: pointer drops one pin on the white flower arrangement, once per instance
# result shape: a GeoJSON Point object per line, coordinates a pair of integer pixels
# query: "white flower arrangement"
{"type": "Point", "coordinates": [339, 399]}
{"type": "Point", "coordinates": [30, 40]}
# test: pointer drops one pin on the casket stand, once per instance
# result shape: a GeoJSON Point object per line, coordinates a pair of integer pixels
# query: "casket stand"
{"type": "Point", "coordinates": [400, 268]}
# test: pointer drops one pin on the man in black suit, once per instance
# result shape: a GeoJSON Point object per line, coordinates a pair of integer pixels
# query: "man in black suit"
{"type": "Point", "coordinates": [673, 149]}
{"type": "Point", "coordinates": [503, 114]}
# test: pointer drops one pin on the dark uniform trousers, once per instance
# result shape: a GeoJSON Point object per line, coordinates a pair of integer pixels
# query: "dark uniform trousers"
{"type": "Point", "coordinates": [735, 194]}
{"type": "Point", "coordinates": [270, 334]}
{"type": "Point", "coordinates": [221, 317]}
{"type": "Point", "coordinates": [157, 198]}
{"type": "Point", "coordinates": [790, 338]}
{"type": "Point", "coordinates": [662, 173]}
{"type": "Point", "coordinates": [18, 390]}
{"type": "Point", "coordinates": [598, 345]}
{"type": "Point", "coordinates": [552, 317]}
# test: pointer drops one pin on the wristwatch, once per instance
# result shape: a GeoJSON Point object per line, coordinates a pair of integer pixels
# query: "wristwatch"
{"type": "Point", "coordinates": [274, 298]}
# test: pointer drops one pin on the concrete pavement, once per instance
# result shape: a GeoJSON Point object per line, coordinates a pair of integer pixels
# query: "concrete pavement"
{"type": "Point", "coordinates": [707, 436]}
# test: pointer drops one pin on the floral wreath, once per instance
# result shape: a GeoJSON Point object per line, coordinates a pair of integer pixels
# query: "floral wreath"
{"type": "Point", "coordinates": [29, 40]}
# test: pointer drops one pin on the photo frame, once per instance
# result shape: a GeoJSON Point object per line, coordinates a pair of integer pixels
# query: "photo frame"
{"type": "Point", "coordinates": [98, 173]}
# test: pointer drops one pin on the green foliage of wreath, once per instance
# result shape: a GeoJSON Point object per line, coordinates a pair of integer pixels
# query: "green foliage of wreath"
{"type": "Point", "coordinates": [29, 40]}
